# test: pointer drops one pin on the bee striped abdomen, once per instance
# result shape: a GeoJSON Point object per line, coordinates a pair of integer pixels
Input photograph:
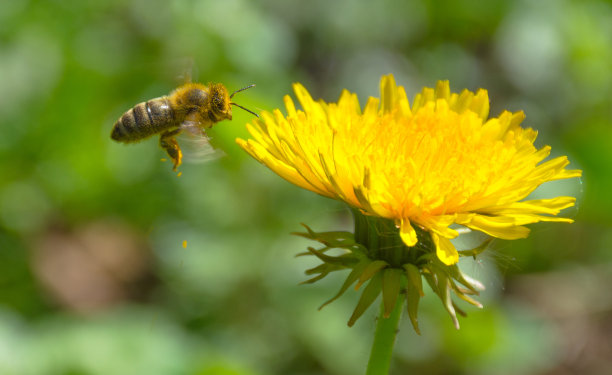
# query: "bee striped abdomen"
{"type": "Point", "coordinates": [144, 120]}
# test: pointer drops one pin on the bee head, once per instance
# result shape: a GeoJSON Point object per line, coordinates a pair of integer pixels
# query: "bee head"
{"type": "Point", "coordinates": [219, 103]}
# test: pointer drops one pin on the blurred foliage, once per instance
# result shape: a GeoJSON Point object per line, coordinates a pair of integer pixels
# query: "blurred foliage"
{"type": "Point", "coordinates": [93, 275]}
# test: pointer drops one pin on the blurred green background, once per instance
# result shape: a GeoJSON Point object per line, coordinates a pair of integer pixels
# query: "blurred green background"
{"type": "Point", "coordinates": [94, 278]}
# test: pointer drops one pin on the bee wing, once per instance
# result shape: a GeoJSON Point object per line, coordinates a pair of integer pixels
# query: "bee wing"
{"type": "Point", "coordinates": [195, 144]}
{"type": "Point", "coordinates": [189, 70]}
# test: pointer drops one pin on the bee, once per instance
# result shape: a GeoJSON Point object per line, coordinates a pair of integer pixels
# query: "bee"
{"type": "Point", "coordinates": [193, 106]}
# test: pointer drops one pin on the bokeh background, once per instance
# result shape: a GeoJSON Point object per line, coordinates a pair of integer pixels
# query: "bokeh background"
{"type": "Point", "coordinates": [94, 277]}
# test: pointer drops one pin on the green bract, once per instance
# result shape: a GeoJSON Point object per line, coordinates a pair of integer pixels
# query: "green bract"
{"type": "Point", "coordinates": [376, 255]}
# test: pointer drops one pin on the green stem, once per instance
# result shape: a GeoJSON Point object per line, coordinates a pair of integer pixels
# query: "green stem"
{"type": "Point", "coordinates": [384, 339]}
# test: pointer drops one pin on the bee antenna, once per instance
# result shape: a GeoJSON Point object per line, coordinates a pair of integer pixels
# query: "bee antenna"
{"type": "Point", "coordinates": [242, 89]}
{"type": "Point", "coordinates": [239, 106]}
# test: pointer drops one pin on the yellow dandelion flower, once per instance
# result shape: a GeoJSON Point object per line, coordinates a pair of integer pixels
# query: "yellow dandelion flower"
{"type": "Point", "coordinates": [439, 162]}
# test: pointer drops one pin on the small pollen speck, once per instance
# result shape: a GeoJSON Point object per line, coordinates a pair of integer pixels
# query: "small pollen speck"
{"type": "Point", "coordinates": [184, 244]}
{"type": "Point", "coordinates": [163, 159]}
{"type": "Point", "coordinates": [179, 174]}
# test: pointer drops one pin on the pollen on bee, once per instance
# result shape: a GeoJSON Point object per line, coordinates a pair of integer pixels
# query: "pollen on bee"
{"type": "Point", "coordinates": [185, 244]}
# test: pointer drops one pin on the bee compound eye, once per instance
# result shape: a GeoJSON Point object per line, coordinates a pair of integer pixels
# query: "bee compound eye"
{"type": "Point", "coordinates": [218, 103]}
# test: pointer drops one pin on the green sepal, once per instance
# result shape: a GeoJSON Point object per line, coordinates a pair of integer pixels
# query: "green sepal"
{"type": "Point", "coordinates": [376, 255]}
{"type": "Point", "coordinates": [458, 311]}
{"type": "Point", "coordinates": [477, 250]}
{"type": "Point", "coordinates": [352, 277]}
{"type": "Point", "coordinates": [391, 285]}
{"type": "Point", "coordinates": [464, 296]}
{"type": "Point", "coordinates": [413, 297]}
{"type": "Point", "coordinates": [447, 301]}
{"type": "Point", "coordinates": [369, 295]}
{"type": "Point", "coordinates": [322, 270]}
{"type": "Point", "coordinates": [455, 273]}
{"type": "Point", "coordinates": [338, 239]}
{"type": "Point", "coordinates": [427, 258]}
{"type": "Point", "coordinates": [414, 276]}
{"type": "Point", "coordinates": [344, 259]}
{"type": "Point", "coordinates": [439, 283]}
{"type": "Point", "coordinates": [370, 270]}
{"type": "Point", "coordinates": [475, 283]}
{"type": "Point", "coordinates": [309, 252]}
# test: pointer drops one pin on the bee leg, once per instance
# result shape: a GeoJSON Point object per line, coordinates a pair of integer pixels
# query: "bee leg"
{"type": "Point", "coordinates": [169, 143]}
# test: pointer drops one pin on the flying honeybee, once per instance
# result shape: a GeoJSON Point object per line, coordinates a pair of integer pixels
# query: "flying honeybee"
{"type": "Point", "coordinates": [193, 107]}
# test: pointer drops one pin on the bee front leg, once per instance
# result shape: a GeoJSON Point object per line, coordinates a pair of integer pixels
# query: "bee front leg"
{"type": "Point", "coordinates": [169, 143]}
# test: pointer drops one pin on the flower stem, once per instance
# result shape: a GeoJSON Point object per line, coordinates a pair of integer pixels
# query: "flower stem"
{"type": "Point", "coordinates": [384, 339]}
